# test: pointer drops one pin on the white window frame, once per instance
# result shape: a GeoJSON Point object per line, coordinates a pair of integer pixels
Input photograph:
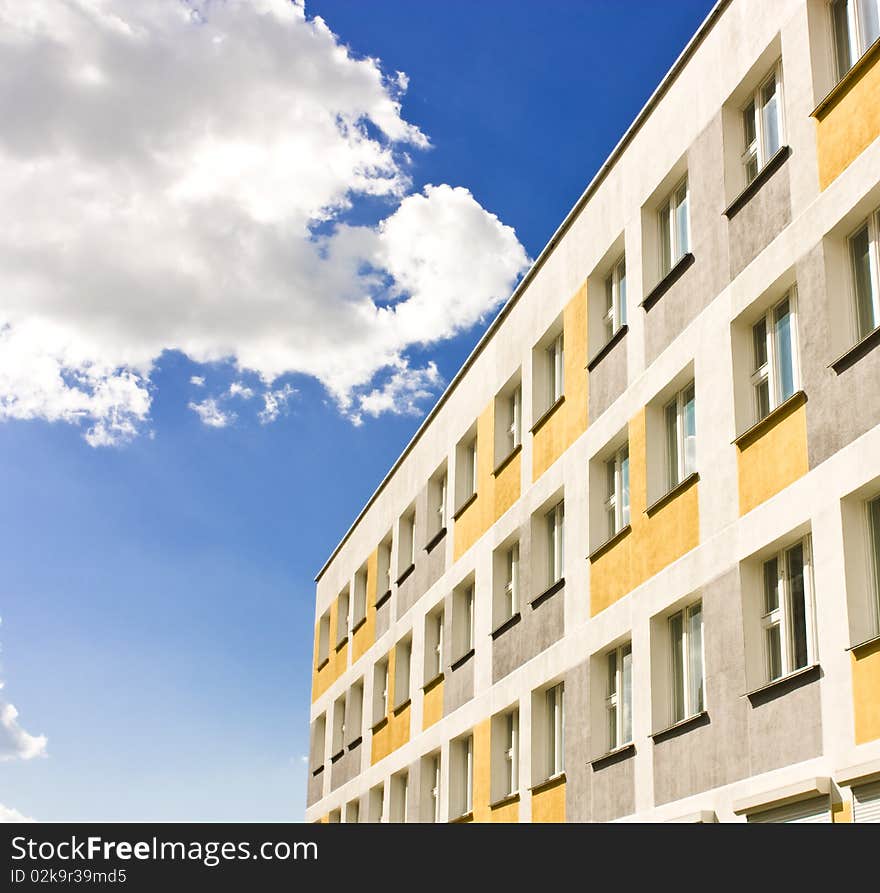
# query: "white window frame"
{"type": "Point", "coordinates": [437, 780]}
{"type": "Point", "coordinates": [615, 299]}
{"type": "Point", "coordinates": [780, 616]}
{"type": "Point", "coordinates": [679, 243]}
{"type": "Point", "coordinates": [769, 371]}
{"type": "Point", "coordinates": [682, 689]}
{"type": "Point", "coordinates": [402, 668]}
{"type": "Point", "coordinates": [872, 508]}
{"type": "Point", "coordinates": [555, 520]}
{"type": "Point", "coordinates": [359, 597]}
{"type": "Point", "coordinates": [342, 627]}
{"type": "Point", "coordinates": [442, 497]}
{"type": "Point", "coordinates": [511, 582]}
{"type": "Point", "coordinates": [555, 359]}
{"type": "Point", "coordinates": [511, 753]}
{"type": "Point", "coordinates": [400, 798]}
{"type": "Point", "coordinates": [323, 638]}
{"type": "Point", "coordinates": [464, 782]}
{"type": "Point", "coordinates": [617, 508]}
{"type": "Point", "coordinates": [554, 706]}
{"type": "Point", "coordinates": [677, 467]}
{"type": "Point", "coordinates": [616, 706]}
{"type": "Point", "coordinates": [384, 559]}
{"type": "Point", "coordinates": [514, 423]}
{"type": "Point", "coordinates": [380, 690]}
{"type": "Point", "coordinates": [756, 150]}
{"type": "Point", "coordinates": [856, 38]}
{"type": "Point", "coordinates": [872, 224]}
{"type": "Point", "coordinates": [434, 644]}
{"type": "Point", "coordinates": [337, 742]}
{"type": "Point", "coordinates": [470, 469]}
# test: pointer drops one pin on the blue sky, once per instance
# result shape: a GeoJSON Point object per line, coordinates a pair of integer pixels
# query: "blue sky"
{"type": "Point", "coordinates": [157, 596]}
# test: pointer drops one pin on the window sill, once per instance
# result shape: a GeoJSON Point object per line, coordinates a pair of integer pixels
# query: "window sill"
{"type": "Point", "coordinates": [383, 598]}
{"type": "Point", "coordinates": [548, 783]}
{"type": "Point", "coordinates": [606, 349]}
{"type": "Point", "coordinates": [435, 539]}
{"type": "Point", "coordinates": [507, 460]}
{"type": "Point", "coordinates": [677, 490]}
{"type": "Point", "coordinates": [321, 664]}
{"type": "Point", "coordinates": [618, 755]}
{"type": "Point", "coordinates": [861, 648]}
{"type": "Point", "coordinates": [356, 743]}
{"type": "Point", "coordinates": [379, 725]}
{"type": "Point", "coordinates": [547, 593]}
{"type": "Point", "coordinates": [506, 625]}
{"type": "Point", "coordinates": [782, 686]}
{"type": "Point", "coordinates": [405, 574]}
{"type": "Point", "coordinates": [461, 819]}
{"type": "Point", "coordinates": [461, 661]}
{"type": "Point", "coordinates": [610, 543]}
{"type": "Point", "coordinates": [433, 683]}
{"type": "Point", "coordinates": [681, 727]}
{"type": "Point", "coordinates": [337, 756]}
{"type": "Point", "coordinates": [342, 643]}
{"type": "Point", "coordinates": [317, 771]}
{"type": "Point", "coordinates": [792, 793]}
{"type": "Point", "coordinates": [358, 624]}
{"type": "Point", "coordinates": [842, 86]}
{"type": "Point", "coordinates": [397, 709]}
{"type": "Point", "coordinates": [760, 428]}
{"type": "Point", "coordinates": [505, 801]}
{"type": "Point", "coordinates": [548, 412]}
{"type": "Point", "coordinates": [773, 164]}
{"type": "Point", "coordinates": [860, 349]}
{"type": "Point", "coordinates": [464, 506]}
{"type": "Point", "coordinates": [663, 286]}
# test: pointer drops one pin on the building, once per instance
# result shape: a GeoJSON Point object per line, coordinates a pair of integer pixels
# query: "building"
{"type": "Point", "coordinates": [629, 566]}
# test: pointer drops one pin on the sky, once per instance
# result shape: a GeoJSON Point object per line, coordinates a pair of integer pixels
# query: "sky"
{"type": "Point", "coordinates": [247, 243]}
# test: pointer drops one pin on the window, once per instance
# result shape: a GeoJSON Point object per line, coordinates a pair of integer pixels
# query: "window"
{"type": "Point", "coordinates": [617, 490]}
{"type": "Point", "coordinates": [555, 721]}
{"type": "Point", "coordinates": [615, 299]}
{"type": "Point", "coordinates": [434, 782]}
{"type": "Point", "coordinates": [384, 567]}
{"type": "Point", "coordinates": [380, 691]}
{"type": "Point", "coordinates": [377, 804]}
{"type": "Point", "coordinates": [319, 734]}
{"type": "Point", "coordinates": [406, 556]}
{"type": "Point", "coordinates": [466, 473]}
{"type": "Point", "coordinates": [762, 125]}
{"type": "Point", "coordinates": [681, 437]}
{"type": "Point", "coordinates": [359, 604]}
{"type": "Point", "coordinates": [338, 743]}
{"type": "Point", "coordinates": [686, 641]}
{"type": "Point", "coordinates": [513, 430]}
{"type": "Point", "coordinates": [399, 797]}
{"type": "Point", "coordinates": [324, 638]}
{"type": "Point", "coordinates": [774, 365]}
{"type": "Point", "coordinates": [402, 660]}
{"type": "Point", "coordinates": [353, 812]}
{"type": "Point", "coordinates": [438, 500]}
{"type": "Point", "coordinates": [555, 543]}
{"type": "Point", "coordinates": [856, 25]}
{"type": "Point", "coordinates": [618, 701]}
{"type": "Point", "coordinates": [674, 228]}
{"type": "Point", "coordinates": [433, 644]}
{"type": "Point", "coordinates": [335, 816]}
{"type": "Point", "coordinates": [354, 715]}
{"type": "Point", "coordinates": [342, 617]}
{"type": "Point", "coordinates": [507, 586]}
{"type": "Point", "coordinates": [463, 619]}
{"type": "Point", "coordinates": [462, 785]}
{"type": "Point", "coordinates": [504, 780]}
{"type": "Point", "coordinates": [555, 370]}
{"type": "Point", "coordinates": [874, 547]}
{"type": "Point", "coordinates": [863, 252]}
{"type": "Point", "coordinates": [787, 618]}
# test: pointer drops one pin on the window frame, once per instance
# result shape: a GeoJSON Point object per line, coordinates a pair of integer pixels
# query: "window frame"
{"type": "Point", "coordinates": [434, 643]}
{"type": "Point", "coordinates": [359, 597]}
{"type": "Point", "coordinates": [554, 706]}
{"type": "Point", "coordinates": [511, 753]}
{"type": "Point", "coordinates": [856, 41]}
{"type": "Point", "coordinates": [616, 704]}
{"type": "Point", "coordinates": [403, 651]}
{"type": "Point", "coordinates": [617, 503]}
{"type": "Point", "coordinates": [512, 580]}
{"type": "Point", "coordinates": [780, 617]}
{"type": "Point", "coordinates": [872, 225]}
{"type": "Point", "coordinates": [554, 354]}
{"type": "Point", "coordinates": [872, 508]}
{"type": "Point", "coordinates": [380, 694]}
{"type": "Point", "coordinates": [769, 370]}
{"type": "Point", "coordinates": [678, 243]}
{"type": "Point", "coordinates": [679, 403]}
{"type": "Point", "coordinates": [555, 526]}
{"type": "Point", "coordinates": [684, 694]}
{"type": "Point", "coordinates": [513, 434]}
{"type": "Point", "coordinates": [757, 149]}
{"type": "Point", "coordinates": [614, 317]}
{"type": "Point", "coordinates": [323, 654]}
{"type": "Point", "coordinates": [437, 778]}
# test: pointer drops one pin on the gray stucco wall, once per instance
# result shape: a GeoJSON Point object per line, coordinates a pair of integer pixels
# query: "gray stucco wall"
{"type": "Point", "coordinates": [608, 379]}
{"type": "Point", "coordinates": [458, 684]}
{"type": "Point", "coordinates": [757, 223]}
{"type": "Point", "coordinates": [840, 407]}
{"type": "Point", "coordinates": [429, 566]}
{"type": "Point", "coordinates": [346, 767]}
{"type": "Point", "coordinates": [577, 744]}
{"type": "Point", "coordinates": [709, 273]}
{"type": "Point", "coordinates": [315, 788]}
{"type": "Point", "coordinates": [383, 617]}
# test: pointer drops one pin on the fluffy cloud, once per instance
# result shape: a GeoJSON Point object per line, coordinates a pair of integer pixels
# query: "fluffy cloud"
{"type": "Point", "coordinates": [179, 176]}
{"type": "Point", "coordinates": [211, 414]}
{"type": "Point", "coordinates": [7, 815]}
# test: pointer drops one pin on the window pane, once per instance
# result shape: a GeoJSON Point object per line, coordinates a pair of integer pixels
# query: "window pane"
{"type": "Point", "coordinates": [612, 673]}
{"type": "Point", "coordinates": [624, 483]}
{"type": "Point", "coordinates": [759, 342]}
{"type": "Point", "coordinates": [774, 653]}
{"type": "Point", "coordinates": [621, 291]}
{"type": "Point", "coordinates": [770, 117]}
{"type": "Point", "coordinates": [665, 244]}
{"type": "Point", "coordinates": [676, 633]}
{"type": "Point", "coordinates": [784, 352]}
{"type": "Point", "coordinates": [771, 586]}
{"type": "Point", "coordinates": [860, 251]}
{"type": "Point", "coordinates": [672, 444]}
{"type": "Point", "coordinates": [612, 727]}
{"type": "Point", "coordinates": [681, 223]}
{"type": "Point", "coordinates": [869, 23]}
{"type": "Point", "coordinates": [626, 683]}
{"type": "Point", "coordinates": [690, 431]}
{"type": "Point", "coordinates": [874, 515]}
{"type": "Point", "coordinates": [695, 657]}
{"type": "Point", "coordinates": [762, 399]}
{"type": "Point", "coordinates": [842, 48]}
{"type": "Point", "coordinates": [749, 125]}
{"type": "Point", "coordinates": [797, 607]}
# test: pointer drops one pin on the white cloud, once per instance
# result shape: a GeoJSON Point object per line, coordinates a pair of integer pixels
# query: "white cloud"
{"type": "Point", "coordinates": [275, 402]}
{"type": "Point", "coordinates": [179, 177]}
{"type": "Point", "coordinates": [237, 389]}
{"type": "Point", "coordinates": [9, 815]}
{"type": "Point", "coordinates": [197, 380]}
{"type": "Point", "coordinates": [401, 393]}
{"type": "Point", "coordinates": [15, 742]}
{"type": "Point", "coordinates": [211, 414]}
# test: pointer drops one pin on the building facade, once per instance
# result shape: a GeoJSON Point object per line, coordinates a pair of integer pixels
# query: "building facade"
{"type": "Point", "coordinates": [629, 566]}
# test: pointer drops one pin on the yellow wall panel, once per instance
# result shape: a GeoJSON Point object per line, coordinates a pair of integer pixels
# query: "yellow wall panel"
{"type": "Point", "coordinates": [773, 459]}
{"type": "Point", "coordinates": [841, 813]}
{"type": "Point", "coordinates": [653, 542]}
{"type": "Point", "coordinates": [365, 634]}
{"type": "Point", "coordinates": [394, 731]}
{"type": "Point", "coordinates": [432, 704]}
{"type": "Point", "coordinates": [850, 122]}
{"type": "Point", "coordinates": [866, 693]}
{"type": "Point", "coordinates": [548, 804]}
{"type": "Point", "coordinates": [338, 658]}
{"type": "Point", "coordinates": [569, 420]}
